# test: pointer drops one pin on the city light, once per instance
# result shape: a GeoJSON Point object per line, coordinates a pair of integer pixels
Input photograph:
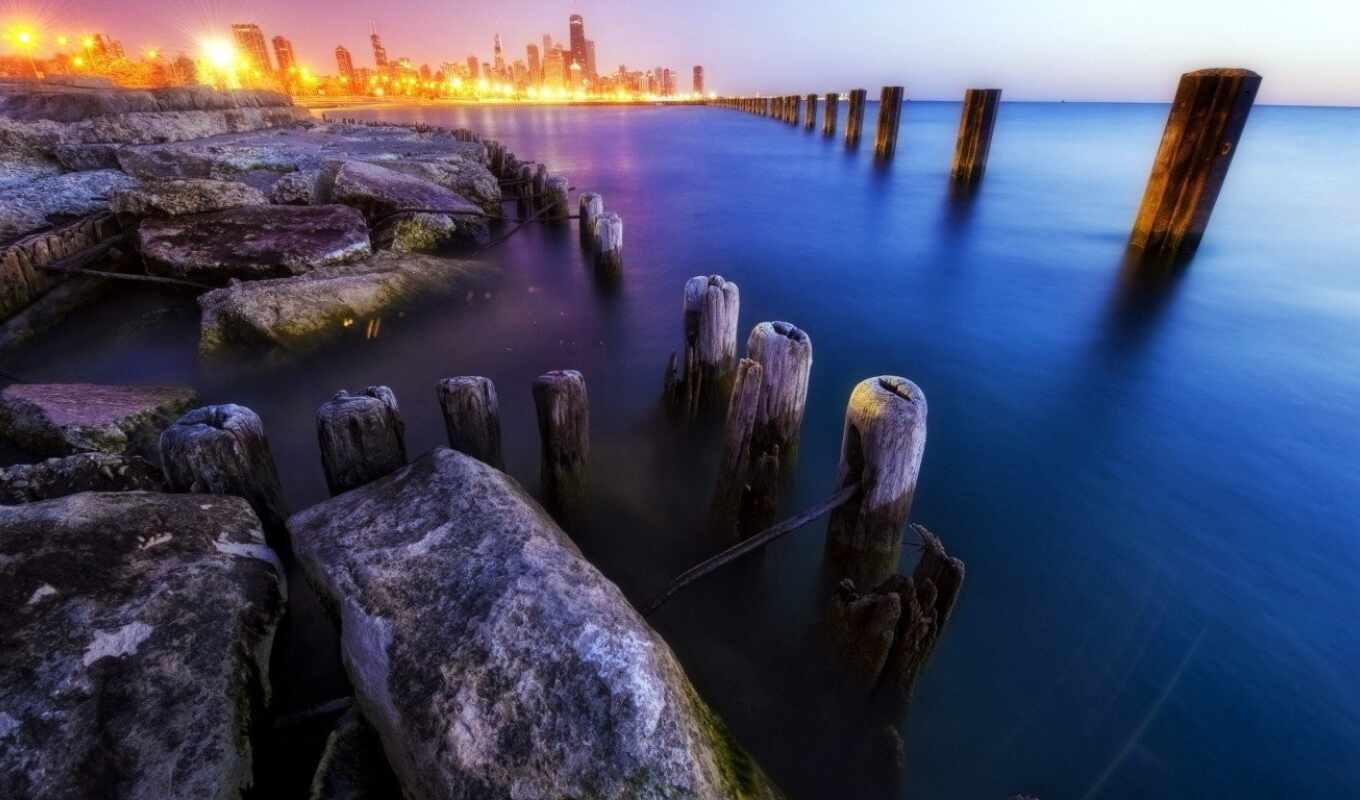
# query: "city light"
{"type": "Point", "coordinates": [220, 54]}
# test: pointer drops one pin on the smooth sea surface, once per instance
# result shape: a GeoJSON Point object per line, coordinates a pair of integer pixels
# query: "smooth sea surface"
{"type": "Point", "coordinates": [1155, 484]}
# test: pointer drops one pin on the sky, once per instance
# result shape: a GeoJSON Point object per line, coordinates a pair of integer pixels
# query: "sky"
{"type": "Point", "coordinates": [1308, 51]}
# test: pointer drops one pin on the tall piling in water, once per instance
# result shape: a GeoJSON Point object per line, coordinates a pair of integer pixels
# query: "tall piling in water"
{"type": "Point", "coordinates": [712, 306]}
{"type": "Point", "coordinates": [735, 468]}
{"type": "Point", "coordinates": [609, 242]}
{"type": "Point", "coordinates": [889, 117]}
{"type": "Point", "coordinates": [223, 450]}
{"type": "Point", "coordinates": [882, 443]}
{"type": "Point", "coordinates": [564, 433]}
{"type": "Point", "coordinates": [829, 114]}
{"type": "Point", "coordinates": [976, 123]}
{"type": "Point", "coordinates": [591, 206]}
{"type": "Point", "coordinates": [362, 437]}
{"type": "Point", "coordinates": [784, 353]}
{"type": "Point", "coordinates": [811, 119]}
{"type": "Point", "coordinates": [555, 198]}
{"type": "Point", "coordinates": [795, 106]}
{"type": "Point", "coordinates": [472, 417]}
{"type": "Point", "coordinates": [1201, 135]}
{"type": "Point", "coordinates": [854, 123]}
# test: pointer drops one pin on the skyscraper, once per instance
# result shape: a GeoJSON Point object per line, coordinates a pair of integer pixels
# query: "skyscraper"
{"type": "Point", "coordinates": [590, 58]}
{"type": "Point", "coordinates": [283, 54]}
{"type": "Point", "coordinates": [250, 42]}
{"type": "Point", "coordinates": [344, 63]}
{"type": "Point", "coordinates": [379, 52]}
{"type": "Point", "coordinates": [698, 80]}
{"type": "Point", "coordinates": [578, 39]}
{"type": "Point", "coordinates": [535, 68]}
{"type": "Point", "coordinates": [554, 70]}
{"type": "Point", "coordinates": [499, 59]}
{"type": "Point", "coordinates": [547, 45]}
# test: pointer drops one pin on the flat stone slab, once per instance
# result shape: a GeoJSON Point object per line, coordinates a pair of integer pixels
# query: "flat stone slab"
{"type": "Point", "coordinates": [57, 199]}
{"type": "Point", "coordinates": [56, 419]}
{"type": "Point", "coordinates": [178, 197]}
{"type": "Point", "coordinates": [136, 641]}
{"type": "Point", "coordinates": [253, 242]}
{"type": "Point", "coordinates": [83, 472]}
{"type": "Point", "coordinates": [493, 660]}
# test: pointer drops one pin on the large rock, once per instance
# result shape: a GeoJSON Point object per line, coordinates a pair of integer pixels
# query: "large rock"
{"type": "Point", "coordinates": [293, 315]}
{"type": "Point", "coordinates": [175, 198]}
{"type": "Point", "coordinates": [27, 151]}
{"type": "Point", "coordinates": [58, 199]}
{"type": "Point", "coordinates": [253, 242]}
{"type": "Point", "coordinates": [466, 176]}
{"type": "Point", "coordinates": [295, 188]}
{"type": "Point", "coordinates": [383, 194]}
{"type": "Point", "coordinates": [83, 472]}
{"type": "Point", "coordinates": [493, 660]}
{"type": "Point", "coordinates": [55, 419]}
{"type": "Point", "coordinates": [199, 159]}
{"type": "Point", "coordinates": [136, 643]}
{"type": "Point", "coordinates": [352, 765]}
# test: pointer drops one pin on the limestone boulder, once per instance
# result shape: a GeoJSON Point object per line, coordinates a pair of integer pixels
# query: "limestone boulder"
{"type": "Point", "coordinates": [178, 197]}
{"type": "Point", "coordinates": [58, 199]}
{"type": "Point", "coordinates": [206, 159]}
{"type": "Point", "coordinates": [407, 213]}
{"type": "Point", "coordinates": [493, 660]}
{"type": "Point", "coordinates": [252, 242]}
{"type": "Point", "coordinates": [295, 188]}
{"type": "Point", "coordinates": [56, 419]}
{"type": "Point", "coordinates": [83, 472]}
{"type": "Point", "coordinates": [353, 766]}
{"type": "Point", "coordinates": [466, 176]}
{"type": "Point", "coordinates": [136, 641]}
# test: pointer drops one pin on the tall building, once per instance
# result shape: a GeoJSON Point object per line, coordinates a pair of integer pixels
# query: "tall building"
{"type": "Point", "coordinates": [344, 63]}
{"type": "Point", "coordinates": [590, 58]}
{"type": "Point", "coordinates": [698, 80]}
{"type": "Point", "coordinates": [250, 42]}
{"type": "Point", "coordinates": [499, 58]}
{"type": "Point", "coordinates": [578, 39]}
{"type": "Point", "coordinates": [547, 45]}
{"type": "Point", "coordinates": [283, 54]}
{"type": "Point", "coordinates": [379, 52]}
{"type": "Point", "coordinates": [535, 68]}
{"type": "Point", "coordinates": [554, 69]}
{"type": "Point", "coordinates": [473, 72]}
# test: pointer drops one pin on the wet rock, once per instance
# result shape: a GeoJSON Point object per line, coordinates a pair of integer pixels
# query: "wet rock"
{"type": "Point", "coordinates": [54, 419]}
{"type": "Point", "coordinates": [353, 766]}
{"type": "Point", "coordinates": [205, 159]}
{"type": "Point", "coordinates": [137, 640]}
{"type": "Point", "coordinates": [80, 157]}
{"type": "Point", "coordinates": [383, 194]}
{"type": "Point", "coordinates": [295, 188]}
{"type": "Point", "coordinates": [83, 472]}
{"type": "Point", "coordinates": [58, 199]}
{"type": "Point", "coordinates": [293, 315]}
{"type": "Point", "coordinates": [177, 197]}
{"type": "Point", "coordinates": [494, 660]}
{"type": "Point", "coordinates": [252, 242]}
{"type": "Point", "coordinates": [468, 177]}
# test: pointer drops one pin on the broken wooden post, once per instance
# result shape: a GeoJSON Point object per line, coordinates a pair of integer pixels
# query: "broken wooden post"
{"type": "Point", "coordinates": [854, 122]}
{"type": "Point", "coordinates": [711, 308]}
{"type": "Point", "coordinates": [555, 198]}
{"type": "Point", "coordinates": [795, 108]}
{"type": "Point", "coordinates": [882, 444]}
{"type": "Point", "coordinates": [564, 432]}
{"type": "Point", "coordinates": [524, 192]}
{"type": "Point", "coordinates": [472, 417]}
{"type": "Point", "coordinates": [223, 450]}
{"type": "Point", "coordinates": [362, 437]}
{"type": "Point", "coordinates": [609, 242]}
{"type": "Point", "coordinates": [590, 207]}
{"type": "Point", "coordinates": [785, 354]}
{"type": "Point", "coordinates": [889, 116]}
{"type": "Point", "coordinates": [829, 114]}
{"type": "Point", "coordinates": [540, 186]}
{"type": "Point", "coordinates": [1198, 144]}
{"type": "Point", "coordinates": [811, 120]}
{"type": "Point", "coordinates": [976, 123]}
{"type": "Point", "coordinates": [735, 468]}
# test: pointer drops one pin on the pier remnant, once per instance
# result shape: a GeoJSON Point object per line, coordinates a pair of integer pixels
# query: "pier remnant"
{"type": "Point", "coordinates": [1201, 135]}
{"type": "Point", "coordinates": [362, 437]}
{"type": "Point", "coordinates": [609, 242]}
{"type": "Point", "coordinates": [564, 432]}
{"type": "Point", "coordinates": [889, 117]}
{"type": "Point", "coordinates": [223, 450]}
{"type": "Point", "coordinates": [854, 122]}
{"type": "Point", "coordinates": [734, 470]}
{"type": "Point", "coordinates": [591, 206]}
{"type": "Point", "coordinates": [539, 186]}
{"type": "Point", "coordinates": [976, 124]}
{"type": "Point", "coordinates": [555, 198]}
{"type": "Point", "coordinates": [811, 121]}
{"type": "Point", "coordinates": [882, 443]}
{"type": "Point", "coordinates": [712, 306]}
{"type": "Point", "coordinates": [795, 109]}
{"type": "Point", "coordinates": [785, 353]}
{"type": "Point", "coordinates": [525, 191]}
{"type": "Point", "coordinates": [472, 417]}
{"type": "Point", "coordinates": [830, 113]}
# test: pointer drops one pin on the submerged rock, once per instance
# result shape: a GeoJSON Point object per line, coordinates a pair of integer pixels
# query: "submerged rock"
{"type": "Point", "coordinates": [178, 197]}
{"type": "Point", "coordinates": [353, 766]}
{"type": "Point", "coordinates": [252, 242]}
{"type": "Point", "coordinates": [136, 645]}
{"type": "Point", "coordinates": [292, 315]}
{"type": "Point", "coordinates": [383, 195]}
{"type": "Point", "coordinates": [83, 472]}
{"type": "Point", "coordinates": [54, 419]}
{"type": "Point", "coordinates": [494, 660]}
{"type": "Point", "coordinates": [58, 199]}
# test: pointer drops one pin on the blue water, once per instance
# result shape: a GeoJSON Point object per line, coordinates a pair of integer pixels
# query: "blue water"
{"type": "Point", "coordinates": [1155, 486]}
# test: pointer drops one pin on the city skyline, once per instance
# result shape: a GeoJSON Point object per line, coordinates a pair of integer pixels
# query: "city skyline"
{"type": "Point", "coordinates": [1058, 51]}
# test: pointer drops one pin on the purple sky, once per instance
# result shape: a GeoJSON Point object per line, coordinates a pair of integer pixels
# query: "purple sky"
{"type": "Point", "coordinates": [1034, 49]}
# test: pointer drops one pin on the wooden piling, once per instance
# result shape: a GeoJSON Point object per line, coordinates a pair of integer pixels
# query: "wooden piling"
{"type": "Point", "coordinates": [976, 123]}
{"type": "Point", "coordinates": [564, 433]}
{"type": "Point", "coordinates": [223, 450]}
{"type": "Point", "coordinates": [795, 108]}
{"type": "Point", "coordinates": [472, 417]}
{"type": "Point", "coordinates": [830, 113]}
{"type": "Point", "coordinates": [712, 306]}
{"type": "Point", "coordinates": [539, 186]}
{"type": "Point", "coordinates": [735, 469]}
{"type": "Point", "coordinates": [524, 192]}
{"type": "Point", "coordinates": [1201, 135]}
{"type": "Point", "coordinates": [609, 242]}
{"type": "Point", "coordinates": [361, 436]}
{"type": "Point", "coordinates": [811, 120]}
{"type": "Point", "coordinates": [854, 122]}
{"type": "Point", "coordinates": [889, 117]}
{"type": "Point", "coordinates": [555, 198]}
{"type": "Point", "coordinates": [882, 443]}
{"type": "Point", "coordinates": [590, 207]}
{"type": "Point", "coordinates": [785, 354]}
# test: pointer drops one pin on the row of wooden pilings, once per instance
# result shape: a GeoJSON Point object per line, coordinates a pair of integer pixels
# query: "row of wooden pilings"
{"type": "Point", "coordinates": [1206, 121]}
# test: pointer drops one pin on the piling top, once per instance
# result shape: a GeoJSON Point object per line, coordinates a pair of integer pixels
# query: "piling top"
{"type": "Point", "coordinates": [1223, 72]}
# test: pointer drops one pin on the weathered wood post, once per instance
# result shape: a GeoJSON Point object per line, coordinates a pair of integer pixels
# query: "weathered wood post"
{"type": "Point", "coordinates": [555, 198]}
{"type": "Point", "coordinates": [785, 355]}
{"type": "Point", "coordinates": [712, 306]}
{"type": "Point", "coordinates": [362, 437]}
{"type": "Point", "coordinates": [976, 123]}
{"type": "Point", "coordinates": [540, 187]}
{"type": "Point", "coordinates": [1201, 135]}
{"type": "Point", "coordinates": [524, 192]}
{"type": "Point", "coordinates": [590, 207]}
{"type": "Point", "coordinates": [609, 242]}
{"type": "Point", "coordinates": [735, 469]}
{"type": "Point", "coordinates": [854, 122]}
{"type": "Point", "coordinates": [889, 116]}
{"type": "Point", "coordinates": [882, 444]}
{"type": "Point", "coordinates": [795, 108]}
{"type": "Point", "coordinates": [829, 114]}
{"type": "Point", "coordinates": [564, 432]}
{"type": "Point", "coordinates": [811, 119]}
{"type": "Point", "coordinates": [472, 417]}
{"type": "Point", "coordinates": [223, 450]}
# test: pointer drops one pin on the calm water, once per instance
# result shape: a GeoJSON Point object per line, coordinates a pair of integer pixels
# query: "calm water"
{"type": "Point", "coordinates": [1155, 488]}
